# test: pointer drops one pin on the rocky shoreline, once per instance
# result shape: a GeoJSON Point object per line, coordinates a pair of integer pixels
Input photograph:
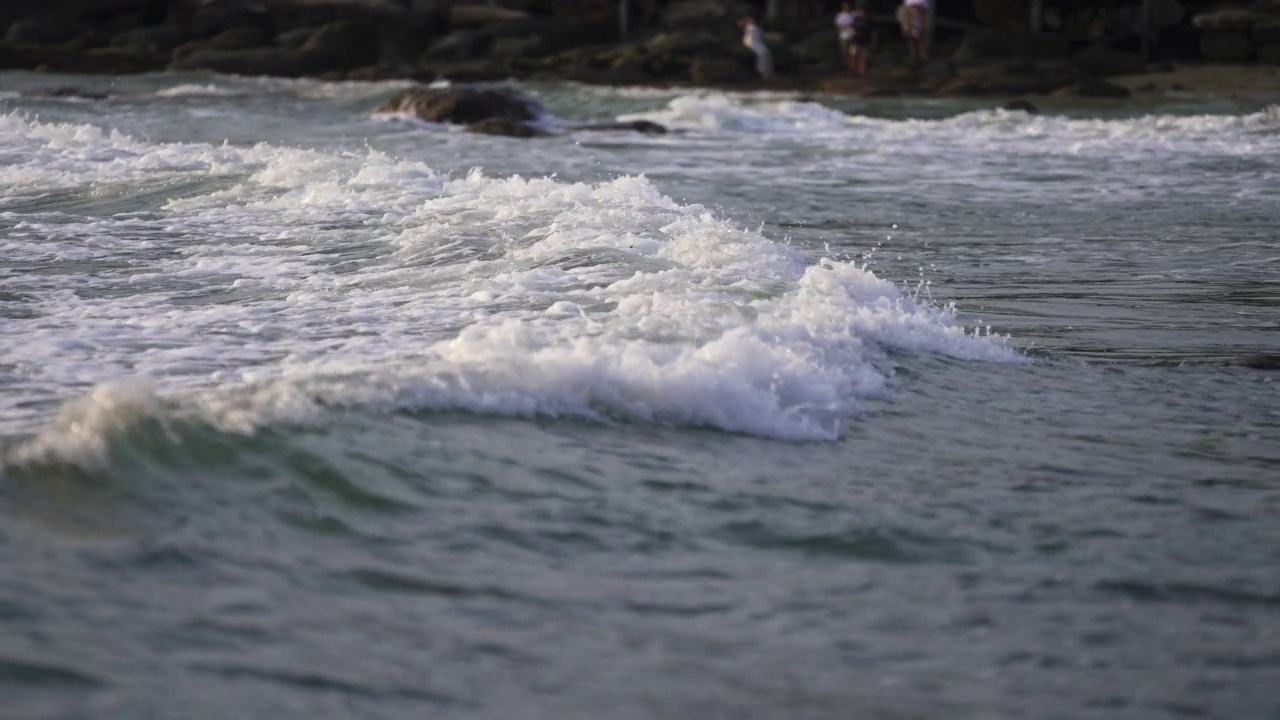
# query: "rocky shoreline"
{"type": "Point", "coordinates": [680, 43]}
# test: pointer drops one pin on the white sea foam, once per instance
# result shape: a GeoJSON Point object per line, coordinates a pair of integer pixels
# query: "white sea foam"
{"type": "Point", "coordinates": [302, 280]}
{"type": "Point", "coordinates": [976, 133]}
{"type": "Point", "coordinates": [739, 113]}
{"type": "Point", "coordinates": [199, 90]}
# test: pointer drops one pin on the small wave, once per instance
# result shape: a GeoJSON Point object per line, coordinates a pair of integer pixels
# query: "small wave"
{"type": "Point", "coordinates": [198, 90]}
{"type": "Point", "coordinates": [358, 280]}
{"type": "Point", "coordinates": [733, 113]}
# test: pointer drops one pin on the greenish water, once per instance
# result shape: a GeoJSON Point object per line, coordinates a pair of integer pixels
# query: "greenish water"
{"type": "Point", "coordinates": [813, 408]}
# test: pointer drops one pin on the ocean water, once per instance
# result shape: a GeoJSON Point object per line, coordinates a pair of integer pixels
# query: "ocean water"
{"type": "Point", "coordinates": [813, 408]}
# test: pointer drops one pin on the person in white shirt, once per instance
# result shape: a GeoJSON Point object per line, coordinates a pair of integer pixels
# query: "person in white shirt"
{"type": "Point", "coordinates": [844, 28]}
{"type": "Point", "coordinates": [753, 38]}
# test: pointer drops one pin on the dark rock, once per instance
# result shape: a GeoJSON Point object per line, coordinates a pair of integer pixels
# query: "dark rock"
{"type": "Point", "coordinates": [1022, 104]}
{"type": "Point", "coordinates": [819, 46]}
{"type": "Point", "coordinates": [716, 13]}
{"type": "Point", "coordinates": [514, 47]}
{"type": "Point", "coordinates": [472, 16]}
{"type": "Point", "coordinates": [239, 39]}
{"type": "Point", "coordinates": [1266, 32]}
{"type": "Point", "coordinates": [645, 127]}
{"type": "Point", "coordinates": [469, 71]}
{"type": "Point", "coordinates": [403, 41]}
{"type": "Point", "coordinates": [1258, 361]}
{"type": "Point", "coordinates": [502, 126]}
{"type": "Point", "coordinates": [982, 46]}
{"type": "Point", "coordinates": [159, 40]}
{"type": "Point", "coordinates": [68, 92]}
{"type": "Point", "coordinates": [1004, 79]}
{"type": "Point", "coordinates": [294, 39]}
{"type": "Point", "coordinates": [1007, 14]}
{"type": "Point", "coordinates": [252, 62]}
{"type": "Point", "coordinates": [557, 34]}
{"type": "Point", "coordinates": [1229, 46]}
{"type": "Point", "coordinates": [214, 16]}
{"type": "Point", "coordinates": [464, 105]}
{"type": "Point", "coordinates": [985, 46]}
{"type": "Point", "coordinates": [720, 71]}
{"type": "Point", "coordinates": [41, 31]}
{"type": "Point", "coordinates": [1229, 19]}
{"type": "Point", "coordinates": [1094, 89]}
{"type": "Point", "coordinates": [344, 44]}
{"type": "Point", "coordinates": [459, 45]}
{"type": "Point", "coordinates": [60, 59]}
{"type": "Point", "coordinates": [1102, 61]}
{"type": "Point", "coordinates": [380, 72]}
{"type": "Point", "coordinates": [688, 42]}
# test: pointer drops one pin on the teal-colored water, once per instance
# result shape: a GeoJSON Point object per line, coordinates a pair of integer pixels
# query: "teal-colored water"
{"type": "Point", "coordinates": [813, 408]}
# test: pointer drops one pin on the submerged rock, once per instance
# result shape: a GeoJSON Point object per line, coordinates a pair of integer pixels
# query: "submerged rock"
{"type": "Point", "coordinates": [492, 111]}
{"type": "Point", "coordinates": [464, 105]}
{"type": "Point", "coordinates": [646, 127]}
{"type": "Point", "coordinates": [1024, 105]}
{"type": "Point", "coordinates": [502, 126]}
{"type": "Point", "coordinates": [68, 92]}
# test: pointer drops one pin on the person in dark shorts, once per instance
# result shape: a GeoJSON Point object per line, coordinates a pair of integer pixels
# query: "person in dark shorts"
{"type": "Point", "coordinates": [863, 39]}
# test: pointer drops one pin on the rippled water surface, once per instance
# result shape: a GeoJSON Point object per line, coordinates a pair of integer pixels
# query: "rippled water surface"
{"type": "Point", "coordinates": [812, 408]}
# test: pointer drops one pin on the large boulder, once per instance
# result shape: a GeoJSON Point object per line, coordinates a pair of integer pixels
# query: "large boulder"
{"type": "Point", "coordinates": [687, 13]}
{"type": "Point", "coordinates": [983, 46]}
{"type": "Point", "coordinates": [721, 71]}
{"type": "Point", "coordinates": [41, 31]}
{"type": "Point", "coordinates": [645, 127]}
{"type": "Point", "coordinates": [1266, 32]}
{"type": "Point", "coordinates": [473, 16]}
{"type": "Point", "coordinates": [344, 44]}
{"type": "Point", "coordinates": [502, 126]}
{"type": "Point", "coordinates": [1094, 89]}
{"type": "Point", "coordinates": [459, 45]}
{"type": "Point", "coordinates": [1227, 46]}
{"type": "Point", "coordinates": [1012, 78]}
{"type": "Point", "coordinates": [491, 111]}
{"type": "Point", "coordinates": [252, 62]}
{"type": "Point", "coordinates": [463, 105]}
{"type": "Point", "coordinates": [1004, 14]}
{"type": "Point", "coordinates": [95, 61]}
{"type": "Point", "coordinates": [211, 17]}
{"type": "Point", "coordinates": [239, 39]}
{"type": "Point", "coordinates": [1102, 61]}
{"type": "Point", "coordinates": [159, 40]}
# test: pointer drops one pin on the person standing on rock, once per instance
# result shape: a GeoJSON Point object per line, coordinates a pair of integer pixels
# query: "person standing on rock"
{"type": "Point", "coordinates": [844, 29]}
{"type": "Point", "coordinates": [753, 38]}
{"type": "Point", "coordinates": [912, 16]}
{"type": "Point", "coordinates": [863, 37]}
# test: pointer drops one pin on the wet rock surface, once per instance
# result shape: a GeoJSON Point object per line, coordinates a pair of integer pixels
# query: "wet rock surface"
{"type": "Point", "coordinates": [979, 47]}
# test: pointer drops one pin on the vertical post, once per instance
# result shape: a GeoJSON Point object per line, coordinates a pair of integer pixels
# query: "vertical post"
{"type": "Point", "coordinates": [1036, 21]}
{"type": "Point", "coordinates": [624, 18]}
{"type": "Point", "coordinates": [773, 10]}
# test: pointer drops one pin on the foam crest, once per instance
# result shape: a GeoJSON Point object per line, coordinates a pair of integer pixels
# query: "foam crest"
{"type": "Point", "coordinates": [198, 90]}
{"type": "Point", "coordinates": [81, 432]}
{"type": "Point", "coordinates": [323, 279]}
{"type": "Point", "coordinates": [718, 111]}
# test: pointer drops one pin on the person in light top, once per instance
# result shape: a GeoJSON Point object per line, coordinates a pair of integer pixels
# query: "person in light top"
{"type": "Point", "coordinates": [863, 38]}
{"type": "Point", "coordinates": [753, 38]}
{"type": "Point", "coordinates": [912, 16]}
{"type": "Point", "coordinates": [844, 29]}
